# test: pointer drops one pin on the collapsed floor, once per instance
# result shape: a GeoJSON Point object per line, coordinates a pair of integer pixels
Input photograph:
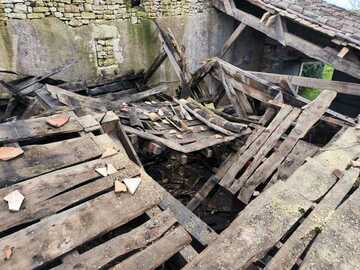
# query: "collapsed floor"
{"type": "Point", "coordinates": [120, 175]}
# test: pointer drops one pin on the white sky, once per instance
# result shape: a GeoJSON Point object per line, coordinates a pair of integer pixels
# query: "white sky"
{"type": "Point", "coordinates": [340, 3]}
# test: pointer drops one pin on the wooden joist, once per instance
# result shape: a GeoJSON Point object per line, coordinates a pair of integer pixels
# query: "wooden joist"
{"type": "Point", "coordinates": [154, 66]}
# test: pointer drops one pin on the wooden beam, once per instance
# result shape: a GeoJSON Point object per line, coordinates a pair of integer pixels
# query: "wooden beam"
{"type": "Point", "coordinates": [230, 41]}
{"type": "Point", "coordinates": [340, 87]}
{"type": "Point", "coordinates": [154, 66]}
{"type": "Point", "coordinates": [304, 46]}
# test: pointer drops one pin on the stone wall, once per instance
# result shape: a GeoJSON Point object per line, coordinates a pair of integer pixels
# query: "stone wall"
{"type": "Point", "coordinates": [82, 12]}
{"type": "Point", "coordinates": [110, 48]}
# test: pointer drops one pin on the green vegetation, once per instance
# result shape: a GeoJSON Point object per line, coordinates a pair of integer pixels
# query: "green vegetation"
{"type": "Point", "coordinates": [315, 70]}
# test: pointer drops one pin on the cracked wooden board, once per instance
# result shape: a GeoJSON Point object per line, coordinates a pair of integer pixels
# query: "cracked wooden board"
{"type": "Point", "coordinates": [60, 233]}
{"type": "Point", "coordinates": [257, 229]}
{"type": "Point", "coordinates": [138, 238]}
{"type": "Point", "coordinates": [315, 177]}
{"type": "Point", "coordinates": [337, 246]}
{"type": "Point", "coordinates": [294, 247]}
{"type": "Point", "coordinates": [41, 159]}
{"type": "Point", "coordinates": [307, 119]}
{"type": "Point", "coordinates": [47, 194]}
{"type": "Point", "coordinates": [23, 130]}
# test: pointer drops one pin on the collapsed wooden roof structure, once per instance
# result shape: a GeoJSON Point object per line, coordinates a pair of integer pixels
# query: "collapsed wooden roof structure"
{"type": "Point", "coordinates": [291, 163]}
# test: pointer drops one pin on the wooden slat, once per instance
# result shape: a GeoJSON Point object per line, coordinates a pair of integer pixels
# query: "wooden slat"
{"type": "Point", "coordinates": [256, 230]}
{"type": "Point", "coordinates": [337, 247]}
{"type": "Point", "coordinates": [293, 248]}
{"type": "Point", "coordinates": [158, 253]}
{"type": "Point", "coordinates": [59, 234]}
{"type": "Point", "coordinates": [228, 178]}
{"type": "Point", "coordinates": [41, 159]}
{"type": "Point", "coordinates": [136, 239]}
{"type": "Point", "coordinates": [306, 120]}
{"type": "Point", "coordinates": [266, 148]}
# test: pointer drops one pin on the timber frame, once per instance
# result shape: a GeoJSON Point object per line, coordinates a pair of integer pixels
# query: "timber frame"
{"type": "Point", "coordinates": [273, 25]}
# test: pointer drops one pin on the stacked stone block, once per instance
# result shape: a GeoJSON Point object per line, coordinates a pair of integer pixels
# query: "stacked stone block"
{"type": "Point", "coordinates": [82, 12]}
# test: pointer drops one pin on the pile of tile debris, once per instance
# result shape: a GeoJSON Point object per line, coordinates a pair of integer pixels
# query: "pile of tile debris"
{"type": "Point", "coordinates": [255, 132]}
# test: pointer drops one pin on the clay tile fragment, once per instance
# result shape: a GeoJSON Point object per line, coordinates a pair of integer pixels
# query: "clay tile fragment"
{"type": "Point", "coordinates": [15, 200]}
{"type": "Point", "coordinates": [8, 251]}
{"type": "Point", "coordinates": [132, 184]}
{"type": "Point", "coordinates": [58, 121]}
{"type": "Point", "coordinates": [8, 153]}
{"type": "Point", "coordinates": [120, 187]}
{"type": "Point", "coordinates": [111, 169]}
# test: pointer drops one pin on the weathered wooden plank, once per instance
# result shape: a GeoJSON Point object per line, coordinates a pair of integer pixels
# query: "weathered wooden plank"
{"type": "Point", "coordinates": [61, 233]}
{"type": "Point", "coordinates": [256, 230]}
{"type": "Point", "coordinates": [203, 119]}
{"type": "Point", "coordinates": [194, 225]}
{"type": "Point", "coordinates": [230, 41]}
{"type": "Point", "coordinates": [246, 89]}
{"type": "Point", "coordinates": [296, 158]}
{"type": "Point", "coordinates": [293, 248]}
{"type": "Point", "coordinates": [41, 159]}
{"type": "Point", "coordinates": [144, 94]}
{"type": "Point", "coordinates": [315, 177]}
{"type": "Point", "coordinates": [339, 87]}
{"type": "Point", "coordinates": [160, 58]}
{"type": "Point", "coordinates": [210, 183]}
{"type": "Point", "coordinates": [22, 130]}
{"type": "Point", "coordinates": [243, 158]}
{"type": "Point", "coordinates": [50, 193]}
{"type": "Point", "coordinates": [171, 52]}
{"type": "Point", "coordinates": [136, 239]}
{"type": "Point", "coordinates": [337, 247]}
{"type": "Point", "coordinates": [265, 149]}
{"type": "Point", "coordinates": [311, 114]}
{"type": "Point", "coordinates": [292, 40]}
{"type": "Point", "coordinates": [188, 253]}
{"type": "Point", "coordinates": [158, 253]}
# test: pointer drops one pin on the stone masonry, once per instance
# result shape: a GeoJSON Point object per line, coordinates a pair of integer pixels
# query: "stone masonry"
{"type": "Point", "coordinates": [82, 12]}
